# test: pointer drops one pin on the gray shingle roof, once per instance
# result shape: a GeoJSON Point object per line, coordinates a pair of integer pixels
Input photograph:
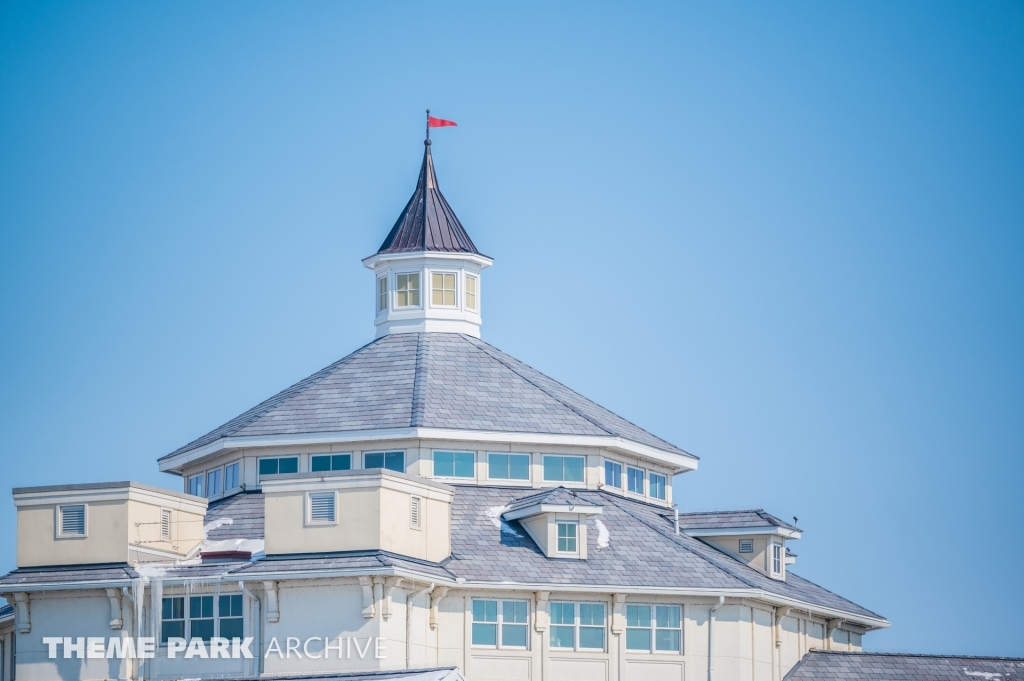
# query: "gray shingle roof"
{"type": "Point", "coordinates": [556, 496]}
{"type": "Point", "coordinates": [427, 223]}
{"type": "Point", "coordinates": [67, 574]}
{"type": "Point", "coordinates": [431, 380]}
{"type": "Point", "coordinates": [246, 511]}
{"type": "Point", "coordinates": [715, 520]}
{"type": "Point", "coordinates": [823, 665]}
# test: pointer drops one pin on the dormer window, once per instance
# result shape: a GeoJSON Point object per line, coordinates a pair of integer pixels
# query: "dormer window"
{"type": "Point", "coordinates": [657, 485]}
{"type": "Point", "coordinates": [567, 539]}
{"type": "Point", "coordinates": [407, 290]}
{"type": "Point", "coordinates": [776, 558]}
{"type": "Point", "coordinates": [471, 283]}
{"type": "Point", "coordinates": [442, 289]}
{"type": "Point", "coordinates": [635, 478]}
{"type": "Point", "coordinates": [613, 474]}
{"type": "Point", "coordinates": [382, 294]}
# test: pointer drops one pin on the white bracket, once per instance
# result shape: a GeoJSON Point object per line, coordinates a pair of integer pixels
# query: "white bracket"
{"type": "Point", "coordinates": [114, 596]}
{"type": "Point", "coordinates": [435, 598]}
{"type": "Point", "coordinates": [273, 608]}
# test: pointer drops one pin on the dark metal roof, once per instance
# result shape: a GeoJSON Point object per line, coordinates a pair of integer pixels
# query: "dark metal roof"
{"type": "Point", "coordinates": [822, 665]}
{"type": "Point", "coordinates": [428, 223]}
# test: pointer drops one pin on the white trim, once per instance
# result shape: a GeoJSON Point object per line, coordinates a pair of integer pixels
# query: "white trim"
{"type": "Point", "coordinates": [482, 260]}
{"type": "Point", "coordinates": [58, 526]}
{"type": "Point", "coordinates": [743, 532]}
{"type": "Point", "coordinates": [310, 522]}
{"type": "Point", "coordinates": [678, 463]}
{"type": "Point", "coordinates": [537, 509]}
{"type": "Point", "coordinates": [455, 276]}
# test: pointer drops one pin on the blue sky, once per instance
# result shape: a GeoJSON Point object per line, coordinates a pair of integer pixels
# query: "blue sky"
{"type": "Point", "coordinates": [787, 237]}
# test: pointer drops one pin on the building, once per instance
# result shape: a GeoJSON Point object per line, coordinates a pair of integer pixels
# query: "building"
{"type": "Point", "coordinates": [427, 502]}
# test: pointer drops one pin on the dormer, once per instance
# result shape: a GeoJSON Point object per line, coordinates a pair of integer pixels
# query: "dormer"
{"type": "Point", "coordinates": [427, 271]}
{"type": "Point", "coordinates": [754, 537]}
{"type": "Point", "coordinates": [555, 519]}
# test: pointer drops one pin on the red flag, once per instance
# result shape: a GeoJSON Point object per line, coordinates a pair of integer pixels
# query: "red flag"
{"type": "Point", "coordinates": [438, 122]}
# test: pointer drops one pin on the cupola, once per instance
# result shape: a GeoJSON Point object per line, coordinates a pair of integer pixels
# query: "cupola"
{"type": "Point", "coordinates": [428, 269]}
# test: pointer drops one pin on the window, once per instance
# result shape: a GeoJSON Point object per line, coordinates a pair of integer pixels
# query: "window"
{"type": "Point", "coordinates": [72, 520]}
{"type": "Point", "coordinates": [510, 620]}
{"type": "Point", "coordinates": [563, 468]}
{"type": "Point", "coordinates": [584, 633]}
{"type": "Point", "coordinates": [200, 617]}
{"type": "Point", "coordinates": [173, 616]}
{"type": "Point", "coordinates": [414, 511]}
{"type": "Point", "coordinates": [278, 465]}
{"type": "Point", "coordinates": [165, 524]}
{"type": "Point", "coordinates": [635, 480]}
{"type": "Point", "coordinates": [393, 461]}
{"type": "Point", "coordinates": [471, 292]}
{"type": "Point", "coordinates": [453, 465]}
{"type": "Point", "coordinates": [195, 485]}
{"type": "Point", "coordinates": [230, 616]}
{"type": "Point", "coordinates": [213, 480]}
{"type": "Point", "coordinates": [321, 507]}
{"type": "Point", "coordinates": [407, 293]}
{"type": "Point", "coordinates": [657, 485]}
{"type": "Point", "coordinates": [508, 466]}
{"type": "Point", "coordinates": [330, 462]}
{"type": "Point", "coordinates": [443, 289]}
{"type": "Point", "coordinates": [563, 624]}
{"type": "Point", "coordinates": [777, 559]}
{"type": "Point", "coordinates": [231, 475]}
{"type": "Point", "coordinates": [662, 633]}
{"type": "Point", "coordinates": [567, 538]}
{"type": "Point", "coordinates": [746, 545]}
{"type": "Point", "coordinates": [382, 294]}
{"type": "Point", "coordinates": [613, 474]}
{"type": "Point", "coordinates": [591, 626]}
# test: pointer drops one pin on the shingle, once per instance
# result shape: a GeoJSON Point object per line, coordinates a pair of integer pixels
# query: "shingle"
{"type": "Point", "coordinates": [822, 665]}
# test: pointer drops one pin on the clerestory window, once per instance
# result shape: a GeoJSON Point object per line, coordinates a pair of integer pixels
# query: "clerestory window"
{"type": "Point", "coordinates": [442, 289]}
{"type": "Point", "coordinates": [407, 290]}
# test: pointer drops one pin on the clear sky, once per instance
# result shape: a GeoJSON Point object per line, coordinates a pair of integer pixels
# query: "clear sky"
{"type": "Point", "coordinates": [787, 237]}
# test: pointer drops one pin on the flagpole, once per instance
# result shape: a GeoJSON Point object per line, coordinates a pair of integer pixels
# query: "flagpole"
{"type": "Point", "coordinates": [428, 125]}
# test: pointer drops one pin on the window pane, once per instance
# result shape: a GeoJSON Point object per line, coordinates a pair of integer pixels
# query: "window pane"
{"type": "Point", "coordinates": [553, 468]}
{"type": "Point", "coordinates": [213, 482]}
{"type": "Point", "coordinates": [373, 460]}
{"type": "Point", "coordinates": [562, 637]}
{"type": "Point", "coordinates": [464, 465]}
{"type": "Point", "coordinates": [513, 612]}
{"type": "Point", "coordinates": [667, 616]}
{"type": "Point", "coordinates": [395, 461]}
{"type": "Point", "coordinates": [657, 483]}
{"type": "Point", "coordinates": [231, 628]}
{"type": "Point", "coordinates": [172, 630]}
{"type": "Point", "coordinates": [444, 464]}
{"type": "Point", "coordinates": [202, 629]}
{"type": "Point", "coordinates": [638, 639]}
{"type": "Point", "coordinates": [513, 635]}
{"type": "Point", "coordinates": [485, 634]}
{"type": "Point", "coordinates": [320, 463]}
{"type": "Point", "coordinates": [573, 469]}
{"type": "Point", "coordinates": [638, 615]}
{"type": "Point", "coordinates": [519, 466]}
{"type": "Point", "coordinates": [268, 466]}
{"type": "Point", "coordinates": [666, 639]}
{"type": "Point", "coordinates": [437, 298]}
{"type": "Point", "coordinates": [438, 281]}
{"type": "Point", "coordinates": [341, 462]}
{"type": "Point", "coordinates": [288, 465]}
{"type": "Point", "coordinates": [563, 613]}
{"type": "Point", "coordinates": [449, 298]}
{"type": "Point", "coordinates": [200, 606]}
{"type": "Point", "coordinates": [592, 613]}
{"type": "Point", "coordinates": [485, 611]}
{"type": "Point", "coordinates": [497, 466]}
{"type": "Point", "coordinates": [173, 608]}
{"type": "Point", "coordinates": [231, 476]}
{"type": "Point", "coordinates": [592, 637]}
{"type": "Point", "coordinates": [613, 474]}
{"type": "Point", "coordinates": [636, 480]}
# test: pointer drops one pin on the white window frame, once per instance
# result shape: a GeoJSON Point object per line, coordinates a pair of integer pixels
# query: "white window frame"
{"type": "Point", "coordinates": [224, 476]}
{"type": "Point", "coordinates": [544, 458]}
{"type": "Point", "coordinates": [577, 626]}
{"type": "Point", "coordinates": [643, 481]}
{"type": "Point", "coordinates": [654, 628]}
{"type": "Point", "coordinates": [500, 645]}
{"type": "Point", "coordinates": [385, 452]}
{"type": "Point", "coordinates": [775, 547]}
{"type": "Point", "coordinates": [521, 481]}
{"type": "Point", "coordinates": [382, 294]}
{"type": "Point", "coordinates": [220, 470]}
{"type": "Point", "coordinates": [619, 487]}
{"type": "Point", "coordinates": [419, 290]}
{"type": "Point", "coordinates": [310, 522]}
{"type": "Point", "coordinates": [453, 452]}
{"type": "Point", "coordinates": [202, 484]}
{"type": "Point", "coordinates": [475, 307]}
{"type": "Point", "coordinates": [664, 485]}
{"type": "Point", "coordinates": [576, 538]}
{"type": "Point", "coordinates": [298, 463]}
{"type": "Point", "coordinates": [455, 289]}
{"type": "Point", "coordinates": [58, 526]}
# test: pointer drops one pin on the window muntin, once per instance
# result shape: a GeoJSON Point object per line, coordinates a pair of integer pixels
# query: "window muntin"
{"type": "Point", "coordinates": [660, 633]}
{"type": "Point", "coordinates": [776, 559]}
{"type": "Point", "coordinates": [471, 293]}
{"type": "Point", "coordinates": [173, 618]}
{"type": "Point", "coordinates": [407, 290]}
{"type": "Point", "coordinates": [195, 485]}
{"type": "Point", "coordinates": [746, 545]}
{"type": "Point", "coordinates": [494, 618]}
{"type": "Point", "coordinates": [393, 461]}
{"type": "Point", "coordinates": [330, 462]}
{"type": "Point", "coordinates": [656, 485]}
{"type": "Point", "coordinates": [508, 466]}
{"type": "Point", "coordinates": [563, 468]}
{"type": "Point", "coordinates": [454, 465]}
{"type": "Point", "coordinates": [613, 474]}
{"type": "Point", "coordinates": [442, 287]}
{"type": "Point", "coordinates": [577, 626]}
{"type": "Point", "coordinates": [229, 615]}
{"type": "Point", "coordinates": [321, 507]}
{"type": "Point", "coordinates": [72, 520]}
{"type": "Point", "coordinates": [200, 617]}
{"type": "Point", "coordinates": [382, 294]}
{"type": "Point", "coordinates": [231, 476]}
{"type": "Point", "coordinates": [567, 539]}
{"type": "Point", "coordinates": [635, 480]}
{"type": "Point", "coordinates": [278, 465]}
{"type": "Point", "coordinates": [213, 481]}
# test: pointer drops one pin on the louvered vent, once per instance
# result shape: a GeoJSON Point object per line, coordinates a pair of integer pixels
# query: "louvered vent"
{"type": "Point", "coordinates": [165, 524]}
{"type": "Point", "coordinates": [746, 545]}
{"type": "Point", "coordinates": [414, 511]}
{"type": "Point", "coordinates": [72, 521]}
{"type": "Point", "coordinates": [321, 507]}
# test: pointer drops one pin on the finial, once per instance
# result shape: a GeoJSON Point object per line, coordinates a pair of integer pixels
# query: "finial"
{"type": "Point", "coordinates": [427, 142]}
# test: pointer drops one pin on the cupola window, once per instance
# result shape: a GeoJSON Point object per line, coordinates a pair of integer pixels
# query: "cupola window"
{"type": "Point", "coordinates": [382, 294]}
{"type": "Point", "coordinates": [471, 292]}
{"type": "Point", "coordinates": [443, 289]}
{"type": "Point", "coordinates": [407, 290]}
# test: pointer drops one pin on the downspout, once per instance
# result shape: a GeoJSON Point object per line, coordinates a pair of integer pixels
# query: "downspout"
{"type": "Point", "coordinates": [711, 638]}
{"type": "Point", "coordinates": [256, 633]}
{"type": "Point", "coordinates": [408, 623]}
{"type": "Point", "coordinates": [133, 664]}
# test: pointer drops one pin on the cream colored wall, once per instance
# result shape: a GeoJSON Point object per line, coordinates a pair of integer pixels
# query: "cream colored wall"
{"type": "Point", "coordinates": [756, 559]}
{"type": "Point", "coordinates": [106, 539]}
{"type": "Point", "coordinates": [357, 528]}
